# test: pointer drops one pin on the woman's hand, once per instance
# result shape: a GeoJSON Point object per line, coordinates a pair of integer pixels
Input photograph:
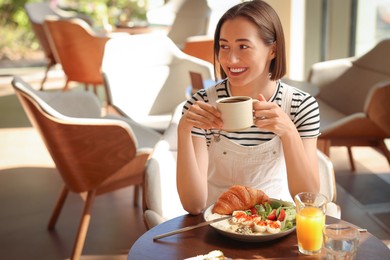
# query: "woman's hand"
{"type": "Point", "coordinates": [271, 117]}
{"type": "Point", "coordinates": [201, 115]}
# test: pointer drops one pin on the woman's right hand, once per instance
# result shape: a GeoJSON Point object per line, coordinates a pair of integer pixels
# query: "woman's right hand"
{"type": "Point", "coordinates": [201, 115]}
{"type": "Point", "coordinates": [192, 156]}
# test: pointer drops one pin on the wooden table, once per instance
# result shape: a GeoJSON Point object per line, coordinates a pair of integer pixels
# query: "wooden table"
{"type": "Point", "coordinates": [203, 240]}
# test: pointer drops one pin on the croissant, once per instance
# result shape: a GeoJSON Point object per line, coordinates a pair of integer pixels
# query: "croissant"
{"type": "Point", "coordinates": [238, 197]}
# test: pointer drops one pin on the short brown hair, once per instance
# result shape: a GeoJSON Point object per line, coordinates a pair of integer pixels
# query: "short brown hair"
{"type": "Point", "coordinates": [270, 29]}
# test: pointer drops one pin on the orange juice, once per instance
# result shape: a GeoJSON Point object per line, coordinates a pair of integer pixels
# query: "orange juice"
{"type": "Point", "coordinates": [310, 222]}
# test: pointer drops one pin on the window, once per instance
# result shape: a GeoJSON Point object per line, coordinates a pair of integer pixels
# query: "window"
{"type": "Point", "coordinates": [372, 24]}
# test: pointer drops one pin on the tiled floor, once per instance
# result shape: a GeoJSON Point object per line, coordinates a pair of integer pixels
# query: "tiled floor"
{"type": "Point", "coordinates": [29, 186]}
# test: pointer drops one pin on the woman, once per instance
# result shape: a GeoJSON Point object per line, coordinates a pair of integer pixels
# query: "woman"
{"type": "Point", "coordinates": [278, 153]}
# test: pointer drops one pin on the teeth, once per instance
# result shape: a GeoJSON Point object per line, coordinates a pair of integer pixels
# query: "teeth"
{"type": "Point", "coordinates": [236, 70]}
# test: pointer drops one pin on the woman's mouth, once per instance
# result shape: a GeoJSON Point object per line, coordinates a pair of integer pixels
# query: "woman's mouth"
{"type": "Point", "coordinates": [236, 70]}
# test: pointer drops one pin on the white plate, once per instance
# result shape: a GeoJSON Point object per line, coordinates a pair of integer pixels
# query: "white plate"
{"type": "Point", "coordinates": [221, 227]}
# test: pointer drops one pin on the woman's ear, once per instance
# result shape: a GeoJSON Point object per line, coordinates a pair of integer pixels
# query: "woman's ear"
{"type": "Point", "coordinates": [272, 53]}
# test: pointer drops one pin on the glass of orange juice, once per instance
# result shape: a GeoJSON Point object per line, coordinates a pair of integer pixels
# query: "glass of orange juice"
{"type": "Point", "coordinates": [310, 220]}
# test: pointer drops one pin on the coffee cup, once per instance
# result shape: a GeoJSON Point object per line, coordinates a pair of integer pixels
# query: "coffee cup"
{"type": "Point", "coordinates": [236, 112]}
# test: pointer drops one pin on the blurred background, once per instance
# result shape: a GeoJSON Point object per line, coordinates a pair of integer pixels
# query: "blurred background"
{"type": "Point", "coordinates": [316, 30]}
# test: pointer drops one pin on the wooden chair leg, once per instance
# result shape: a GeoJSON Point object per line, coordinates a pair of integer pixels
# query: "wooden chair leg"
{"type": "Point", "coordinates": [48, 67]}
{"type": "Point", "coordinates": [324, 146]}
{"type": "Point", "coordinates": [383, 148]}
{"type": "Point", "coordinates": [351, 160]}
{"type": "Point", "coordinates": [66, 85]}
{"type": "Point", "coordinates": [95, 89]}
{"type": "Point", "coordinates": [136, 195]}
{"type": "Point", "coordinates": [83, 227]}
{"type": "Point", "coordinates": [58, 208]}
{"type": "Point", "coordinates": [108, 96]}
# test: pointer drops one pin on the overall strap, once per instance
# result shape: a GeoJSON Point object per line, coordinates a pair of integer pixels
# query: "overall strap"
{"type": "Point", "coordinates": [212, 95]}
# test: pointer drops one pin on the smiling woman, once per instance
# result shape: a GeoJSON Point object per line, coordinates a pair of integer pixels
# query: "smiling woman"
{"type": "Point", "coordinates": [277, 153]}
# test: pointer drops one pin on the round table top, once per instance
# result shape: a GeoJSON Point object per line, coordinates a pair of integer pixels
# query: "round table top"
{"type": "Point", "coordinates": [203, 240]}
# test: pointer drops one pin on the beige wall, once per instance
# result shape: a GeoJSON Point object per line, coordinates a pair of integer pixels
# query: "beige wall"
{"type": "Point", "coordinates": [283, 8]}
{"type": "Point", "coordinates": [338, 31]}
{"type": "Point", "coordinates": [312, 34]}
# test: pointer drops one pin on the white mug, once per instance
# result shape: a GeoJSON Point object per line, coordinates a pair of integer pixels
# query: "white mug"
{"type": "Point", "coordinates": [236, 112]}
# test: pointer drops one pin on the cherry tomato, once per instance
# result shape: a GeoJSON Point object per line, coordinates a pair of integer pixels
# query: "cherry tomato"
{"type": "Point", "coordinates": [282, 215]}
{"type": "Point", "coordinates": [253, 211]}
{"type": "Point", "coordinates": [272, 215]}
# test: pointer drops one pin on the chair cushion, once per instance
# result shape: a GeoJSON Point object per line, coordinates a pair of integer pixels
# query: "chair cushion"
{"type": "Point", "coordinates": [146, 138]}
{"type": "Point", "coordinates": [83, 104]}
{"type": "Point", "coordinates": [328, 115]}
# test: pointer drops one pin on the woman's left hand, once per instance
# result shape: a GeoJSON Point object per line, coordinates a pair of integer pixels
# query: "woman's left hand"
{"type": "Point", "coordinates": [271, 117]}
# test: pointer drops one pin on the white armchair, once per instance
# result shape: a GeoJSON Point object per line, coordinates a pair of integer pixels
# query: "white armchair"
{"type": "Point", "coordinates": [147, 76]}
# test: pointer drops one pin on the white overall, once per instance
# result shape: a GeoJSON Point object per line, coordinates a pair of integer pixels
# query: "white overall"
{"type": "Point", "coordinates": [261, 167]}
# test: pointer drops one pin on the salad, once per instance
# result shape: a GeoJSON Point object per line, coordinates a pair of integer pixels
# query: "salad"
{"type": "Point", "coordinates": [269, 218]}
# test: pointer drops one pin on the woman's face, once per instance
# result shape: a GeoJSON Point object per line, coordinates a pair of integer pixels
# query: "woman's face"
{"type": "Point", "coordinates": [243, 55]}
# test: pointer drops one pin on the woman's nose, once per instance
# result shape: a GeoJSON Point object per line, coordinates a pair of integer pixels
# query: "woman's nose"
{"type": "Point", "coordinates": [233, 57]}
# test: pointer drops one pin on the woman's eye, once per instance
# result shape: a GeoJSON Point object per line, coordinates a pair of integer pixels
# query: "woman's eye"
{"type": "Point", "coordinates": [244, 46]}
{"type": "Point", "coordinates": [223, 46]}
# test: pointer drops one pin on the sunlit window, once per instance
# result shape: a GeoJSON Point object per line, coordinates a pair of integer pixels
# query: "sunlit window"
{"type": "Point", "coordinates": [373, 24]}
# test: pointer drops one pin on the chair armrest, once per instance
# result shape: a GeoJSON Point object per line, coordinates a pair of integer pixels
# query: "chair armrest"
{"type": "Point", "coordinates": [170, 134]}
{"type": "Point", "coordinates": [322, 73]}
{"type": "Point", "coordinates": [333, 210]}
{"type": "Point", "coordinates": [161, 200]}
{"type": "Point", "coordinates": [152, 218]}
{"type": "Point", "coordinates": [377, 105]}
